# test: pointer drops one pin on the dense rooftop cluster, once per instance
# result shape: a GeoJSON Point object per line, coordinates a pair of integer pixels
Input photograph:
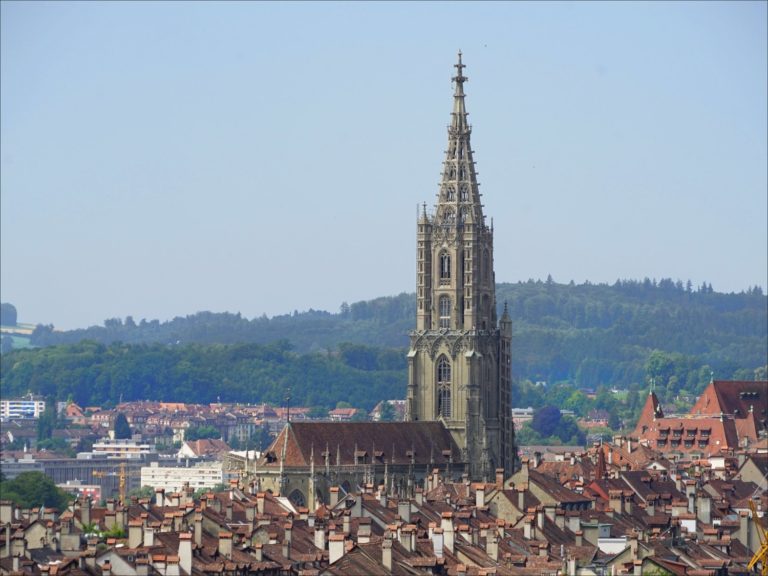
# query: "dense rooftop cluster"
{"type": "Point", "coordinates": [616, 508]}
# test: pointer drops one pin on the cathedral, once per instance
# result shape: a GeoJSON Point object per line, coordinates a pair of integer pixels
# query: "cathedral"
{"type": "Point", "coordinates": [458, 408]}
{"type": "Point", "coordinates": [459, 363]}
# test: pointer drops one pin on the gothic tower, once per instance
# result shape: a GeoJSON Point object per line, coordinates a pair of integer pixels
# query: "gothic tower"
{"type": "Point", "coordinates": [459, 360]}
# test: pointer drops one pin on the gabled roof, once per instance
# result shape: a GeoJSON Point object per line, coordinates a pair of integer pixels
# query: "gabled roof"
{"type": "Point", "coordinates": [735, 398]}
{"type": "Point", "coordinates": [391, 442]}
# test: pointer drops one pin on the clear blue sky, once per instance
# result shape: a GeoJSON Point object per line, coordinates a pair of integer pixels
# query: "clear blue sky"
{"type": "Point", "coordinates": [159, 159]}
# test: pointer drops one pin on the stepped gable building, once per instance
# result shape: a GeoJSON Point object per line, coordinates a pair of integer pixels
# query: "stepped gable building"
{"type": "Point", "coordinates": [743, 400]}
{"type": "Point", "coordinates": [728, 415]}
{"type": "Point", "coordinates": [459, 363]}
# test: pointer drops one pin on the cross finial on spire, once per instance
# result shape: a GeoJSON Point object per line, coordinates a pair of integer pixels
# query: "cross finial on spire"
{"type": "Point", "coordinates": [460, 78]}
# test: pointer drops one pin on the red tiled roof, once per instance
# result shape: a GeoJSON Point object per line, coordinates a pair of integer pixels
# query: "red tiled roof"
{"type": "Point", "coordinates": [430, 442]}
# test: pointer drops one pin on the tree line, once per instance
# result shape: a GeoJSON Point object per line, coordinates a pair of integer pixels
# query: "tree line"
{"type": "Point", "coordinates": [572, 338]}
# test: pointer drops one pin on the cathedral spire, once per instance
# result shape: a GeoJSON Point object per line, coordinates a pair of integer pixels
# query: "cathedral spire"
{"type": "Point", "coordinates": [459, 115]}
{"type": "Point", "coordinates": [459, 198]}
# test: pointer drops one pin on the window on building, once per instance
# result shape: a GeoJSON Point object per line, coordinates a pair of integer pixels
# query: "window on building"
{"type": "Point", "coordinates": [443, 387]}
{"type": "Point", "coordinates": [445, 267]}
{"type": "Point", "coordinates": [445, 311]}
{"type": "Point", "coordinates": [450, 193]}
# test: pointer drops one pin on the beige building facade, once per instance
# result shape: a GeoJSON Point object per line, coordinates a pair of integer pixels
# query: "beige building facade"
{"type": "Point", "coordinates": [459, 362]}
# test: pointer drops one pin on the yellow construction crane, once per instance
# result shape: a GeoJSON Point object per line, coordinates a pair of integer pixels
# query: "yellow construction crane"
{"type": "Point", "coordinates": [122, 475]}
{"type": "Point", "coordinates": [761, 556]}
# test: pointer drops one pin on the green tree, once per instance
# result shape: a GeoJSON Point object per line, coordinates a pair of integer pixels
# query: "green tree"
{"type": "Point", "coordinates": [47, 421]}
{"type": "Point", "coordinates": [387, 412]}
{"type": "Point", "coordinates": [122, 428]}
{"type": "Point", "coordinates": [546, 420]}
{"type": "Point", "coordinates": [32, 489]}
{"type": "Point", "coordinates": [202, 432]}
{"type": "Point", "coordinates": [8, 316]}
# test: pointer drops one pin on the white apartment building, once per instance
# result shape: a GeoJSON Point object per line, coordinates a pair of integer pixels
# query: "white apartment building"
{"type": "Point", "coordinates": [172, 479]}
{"type": "Point", "coordinates": [123, 448]}
{"type": "Point", "coordinates": [29, 407]}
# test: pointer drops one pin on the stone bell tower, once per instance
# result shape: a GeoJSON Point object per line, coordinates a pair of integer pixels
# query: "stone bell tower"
{"type": "Point", "coordinates": [459, 362]}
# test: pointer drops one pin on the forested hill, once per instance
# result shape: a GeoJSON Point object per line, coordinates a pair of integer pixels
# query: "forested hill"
{"type": "Point", "coordinates": [591, 335]}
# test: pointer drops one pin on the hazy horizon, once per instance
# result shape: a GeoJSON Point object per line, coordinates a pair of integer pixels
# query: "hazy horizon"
{"type": "Point", "coordinates": [160, 159]}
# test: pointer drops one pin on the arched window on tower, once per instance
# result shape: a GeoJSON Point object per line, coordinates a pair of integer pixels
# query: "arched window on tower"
{"type": "Point", "coordinates": [445, 311]}
{"type": "Point", "coordinates": [464, 192]}
{"type": "Point", "coordinates": [450, 193]}
{"type": "Point", "coordinates": [445, 268]}
{"type": "Point", "coordinates": [443, 387]}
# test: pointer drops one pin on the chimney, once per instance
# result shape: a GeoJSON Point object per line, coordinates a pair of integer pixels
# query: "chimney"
{"type": "Point", "coordinates": [560, 518]}
{"type": "Point", "coordinates": [364, 531]}
{"type": "Point", "coordinates": [650, 507]}
{"type": "Point", "coordinates": [408, 537]}
{"type": "Point", "coordinates": [386, 553]}
{"type": "Point", "coordinates": [334, 496]}
{"type": "Point", "coordinates": [6, 511]}
{"type": "Point", "coordinates": [528, 527]}
{"type": "Point", "coordinates": [544, 549]}
{"type": "Point", "coordinates": [540, 518]}
{"type": "Point", "coordinates": [135, 533]}
{"type": "Point", "coordinates": [437, 541]}
{"type": "Point", "coordinates": [549, 511]}
{"type": "Point", "coordinates": [172, 566]}
{"type": "Point", "coordinates": [446, 523]}
{"type": "Point", "coordinates": [106, 569]}
{"type": "Point", "coordinates": [492, 545]}
{"type": "Point", "coordinates": [404, 510]}
{"type": "Point", "coordinates": [319, 535]}
{"type": "Point", "coordinates": [536, 459]}
{"type": "Point", "coordinates": [579, 538]}
{"type": "Point", "coordinates": [499, 478]}
{"type": "Point", "coordinates": [250, 512]}
{"type": "Point", "coordinates": [616, 496]}
{"type": "Point", "coordinates": [85, 511]}
{"type": "Point", "coordinates": [690, 494]}
{"type": "Point", "coordinates": [225, 544]}
{"type": "Point", "coordinates": [628, 503]}
{"type": "Point", "coordinates": [198, 528]}
{"type": "Point", "coordinates": [258, 552]}
{"type": "Point", "coordinates": [287, 540]}
{"type": "Point", "coordinates": [345, 523]}
{"type": "Point", "coordinates": [335, 548]}
{"type": "Point", "coordinates": [479, 495]}
{"type": "Point", "coordinates": [419, 496]}
{"type": "Point", "coordinates": [704, 512]}
{"type": "Point", "coordinates": [160, 497]}
{"type": "Point", "coordinates": [185, 552]}
{"type": "Point", "coordinates": [229, 511]}
{"type": "Point", "coordinates": [383, 496]}
{"type": "Point", "coordinates": [521, 498]}
{"type": "Point", "coordinates": [743, 534]}
{"type": "Point", "coordinates": [571, 566]}
{"type": "Point", "coordinates": [149, 536]}
{"type": "Point", "coordinates": [260, 502]}
{"type": "Point", "coordinates": [638, 571]}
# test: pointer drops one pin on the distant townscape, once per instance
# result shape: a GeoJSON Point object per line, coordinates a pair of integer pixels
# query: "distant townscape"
{"type": "Point", "coordinates": [537, 428]}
